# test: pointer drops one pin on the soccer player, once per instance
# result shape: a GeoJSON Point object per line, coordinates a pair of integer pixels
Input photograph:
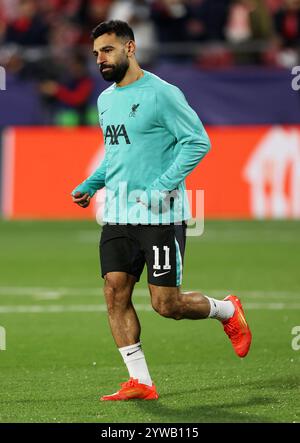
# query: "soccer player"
{"type": "Point", "coordinates": [153, 140]}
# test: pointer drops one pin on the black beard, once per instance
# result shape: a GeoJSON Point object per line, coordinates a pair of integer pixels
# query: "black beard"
{"type": "Point", "coordinates": [116, 73]}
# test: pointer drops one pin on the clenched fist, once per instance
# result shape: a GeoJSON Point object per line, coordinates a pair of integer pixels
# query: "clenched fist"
{"type": "Point", "coordinates": [82, 200]}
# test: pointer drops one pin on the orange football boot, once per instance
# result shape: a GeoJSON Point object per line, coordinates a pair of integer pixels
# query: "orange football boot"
{"type": "Point", "coordinates": [132, 390]}
{"type": "Point", "coordinates": [237, 328]}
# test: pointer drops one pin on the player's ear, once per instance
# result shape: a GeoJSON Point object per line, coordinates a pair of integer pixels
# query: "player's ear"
{"type": "Point", "coordinates": [130, 48]}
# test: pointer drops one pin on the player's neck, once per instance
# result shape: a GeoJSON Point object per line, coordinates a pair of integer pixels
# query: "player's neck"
{"type": "Point", "coordinates": [133, 74]}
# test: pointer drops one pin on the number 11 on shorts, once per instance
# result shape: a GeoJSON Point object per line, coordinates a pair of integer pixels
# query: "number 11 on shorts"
{"type": "Point", "coordinates": [156, 265]}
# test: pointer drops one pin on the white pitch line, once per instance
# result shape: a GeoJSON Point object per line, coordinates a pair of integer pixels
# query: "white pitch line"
{"type": "Point", "coordinates": [40, 309]}
{"type": "Point", "coordinates": [268, 236]}
{"type": "Point", "coordinates": [254, 294]}
{"type": "Point", "coordinates": [56, 293]}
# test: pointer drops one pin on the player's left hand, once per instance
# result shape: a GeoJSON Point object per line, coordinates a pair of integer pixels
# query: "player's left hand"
{"type": "Point", "coordinates": [82, 200]}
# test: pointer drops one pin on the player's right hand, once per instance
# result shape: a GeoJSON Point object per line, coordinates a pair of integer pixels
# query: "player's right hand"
{"type": "Point", "coordinates": [82, 200]}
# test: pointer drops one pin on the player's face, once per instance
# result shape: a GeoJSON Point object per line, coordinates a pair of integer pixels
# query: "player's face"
{"type": "Point", "coordinates": [112, 57]}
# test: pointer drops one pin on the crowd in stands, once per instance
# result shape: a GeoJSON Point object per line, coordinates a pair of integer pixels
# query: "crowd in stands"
{"type": "Point", "coordinates": [40, 38]}
{"type": "Point", "coordinates": [67, 23]}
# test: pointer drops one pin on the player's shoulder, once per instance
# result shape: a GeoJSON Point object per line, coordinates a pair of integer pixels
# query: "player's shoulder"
{"type": "Point", "coordinates": [163, 88]}
{"type": "Point", "coordinates": [160, 83]}
{"type": "Point", "coordinates": [105, 94]}
{"type": "Point", "coordinates": [108, 90]}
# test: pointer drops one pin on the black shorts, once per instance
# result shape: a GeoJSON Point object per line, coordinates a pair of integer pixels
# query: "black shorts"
{"type": "Point", "coordinates": [126, 248]}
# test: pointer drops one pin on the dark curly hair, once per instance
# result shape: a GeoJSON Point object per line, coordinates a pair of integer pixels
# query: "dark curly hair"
{"type": "Point", "coordinates": [118, 27]}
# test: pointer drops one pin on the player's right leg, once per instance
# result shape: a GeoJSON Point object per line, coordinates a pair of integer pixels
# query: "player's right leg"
{"type": "Point", "coordinates": [123, 320]}
{"type": "Point", "coordinates": [125, 328]}
{"type": "Point", "coordinates": [122, 264]}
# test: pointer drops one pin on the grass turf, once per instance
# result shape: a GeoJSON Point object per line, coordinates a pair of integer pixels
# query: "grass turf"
{"type": "Point", "coordinates": [60, 354]}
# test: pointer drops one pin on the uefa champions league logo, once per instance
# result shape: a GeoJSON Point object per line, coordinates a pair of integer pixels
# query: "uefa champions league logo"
{"type": "Point", "coordinates": [2, 79]}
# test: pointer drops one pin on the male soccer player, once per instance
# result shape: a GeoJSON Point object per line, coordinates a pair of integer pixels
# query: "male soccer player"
{"type": "Point", "coordinates": [153, 140]}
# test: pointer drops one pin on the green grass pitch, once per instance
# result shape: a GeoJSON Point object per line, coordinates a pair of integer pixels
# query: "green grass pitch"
{"type": "Point", "coordinates": [60, 356]}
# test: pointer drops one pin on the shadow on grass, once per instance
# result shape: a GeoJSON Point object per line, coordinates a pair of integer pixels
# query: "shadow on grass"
{"type": "Point", "coordinates": [215, 406]}
{"type": "Point", "coordinates": [272, 384]}
{"type": "Point", "coordinates": [224, 412]}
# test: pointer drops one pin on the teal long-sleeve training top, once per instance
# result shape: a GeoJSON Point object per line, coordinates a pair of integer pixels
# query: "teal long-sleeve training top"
{"type": "Point", "coordinates": [153, 140]}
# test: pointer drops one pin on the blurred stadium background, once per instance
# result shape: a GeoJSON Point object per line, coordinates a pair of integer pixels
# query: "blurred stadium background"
{"type": "Point", "coordinates": [236, 61]}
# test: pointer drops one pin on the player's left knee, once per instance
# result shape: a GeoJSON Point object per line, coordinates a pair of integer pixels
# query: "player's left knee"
{"type": "Point", "coordinates": [166, 309]}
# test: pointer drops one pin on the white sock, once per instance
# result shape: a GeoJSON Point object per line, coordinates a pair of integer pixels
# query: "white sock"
{"type": "Point", "coordinates": [220, 309]}
{"type": "Point", "coordinates": [135, 361]}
